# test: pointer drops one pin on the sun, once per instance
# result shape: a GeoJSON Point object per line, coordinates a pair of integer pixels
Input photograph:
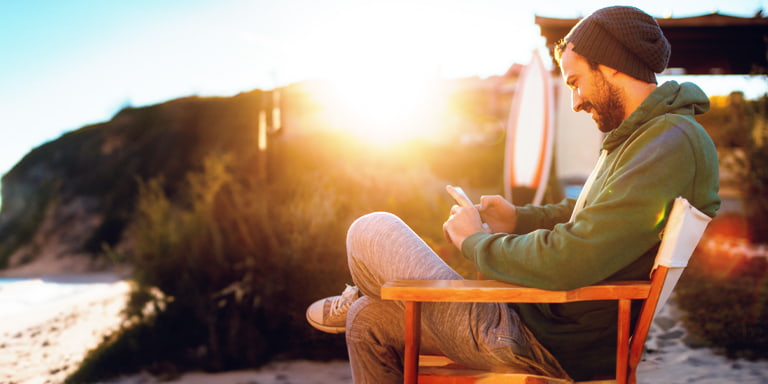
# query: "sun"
{"type": "Point", "coordinates": [383, 80]}
{"type": "Point", "coordinates": [387, 111]}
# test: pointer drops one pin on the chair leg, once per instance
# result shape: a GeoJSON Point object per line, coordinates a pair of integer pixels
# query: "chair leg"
{"type": "Point", "coordinates": [622, 341]}
{"type": "Point", "coordinates": [412, 341]}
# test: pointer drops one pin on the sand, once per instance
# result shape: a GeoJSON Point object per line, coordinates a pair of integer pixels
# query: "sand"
{"type": "Point", "coordinates": [45, 333]}
{"type": "Point", "coordinates": [46, 329]}
{"type": "Point", "coordinates": [671, 361]}
{"type": "Point", "coordinates": [47, 325]}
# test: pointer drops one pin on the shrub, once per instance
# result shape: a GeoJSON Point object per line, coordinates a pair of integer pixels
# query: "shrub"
{"type": "Point", "coordinates": [757, 190]}
{"type": "Point", "coordinates": [725, 303]}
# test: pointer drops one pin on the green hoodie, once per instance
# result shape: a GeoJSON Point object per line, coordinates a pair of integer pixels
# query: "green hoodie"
{"type": "Point", "coordinates": [657, 154]}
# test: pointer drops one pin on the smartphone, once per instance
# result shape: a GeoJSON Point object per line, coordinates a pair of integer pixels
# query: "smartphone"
{"type": "Point", "coordinates": [463, 200]}
{"type": "Point", "coordinates": [459, 195]}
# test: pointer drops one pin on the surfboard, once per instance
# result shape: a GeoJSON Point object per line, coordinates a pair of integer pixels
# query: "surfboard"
{"type": "Point", "coordinates": [529, 136]}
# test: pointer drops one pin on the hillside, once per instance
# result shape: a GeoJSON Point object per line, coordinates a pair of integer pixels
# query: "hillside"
{"type": "Point", "coordinates": [75, 195]}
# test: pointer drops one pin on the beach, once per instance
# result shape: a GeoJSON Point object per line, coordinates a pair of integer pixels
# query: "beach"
{"type": "Point", "coordinates": [48, 324]}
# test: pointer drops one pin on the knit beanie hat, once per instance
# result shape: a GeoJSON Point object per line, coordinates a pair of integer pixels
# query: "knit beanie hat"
{"type": "Point", "coordinates": [623, 38]}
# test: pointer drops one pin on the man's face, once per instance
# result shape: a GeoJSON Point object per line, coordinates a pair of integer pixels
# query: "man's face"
{"type": "Point", "coordinates": [591, 91]}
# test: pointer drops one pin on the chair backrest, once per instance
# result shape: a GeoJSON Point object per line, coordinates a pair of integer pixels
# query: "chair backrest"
{"type": "Point", "coordinates": [684, 229]}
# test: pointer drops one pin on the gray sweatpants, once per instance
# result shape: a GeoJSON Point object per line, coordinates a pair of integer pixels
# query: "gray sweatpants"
{"type": "Point", "coordinates": [381, 247]}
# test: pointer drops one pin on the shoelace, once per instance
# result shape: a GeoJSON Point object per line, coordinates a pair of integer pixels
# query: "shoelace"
{"type": "Point", "coordinates": [341, 304]}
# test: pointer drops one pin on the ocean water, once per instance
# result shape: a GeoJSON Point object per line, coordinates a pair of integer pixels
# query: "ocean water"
{"type": "Point", "coordinates": [19, 295]}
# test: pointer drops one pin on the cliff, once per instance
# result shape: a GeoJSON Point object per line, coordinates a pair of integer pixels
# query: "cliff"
{"type": "Point", "coordinates": [68, 202]}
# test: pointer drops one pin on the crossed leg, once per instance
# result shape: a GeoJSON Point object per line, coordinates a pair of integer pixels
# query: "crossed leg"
{"type": "Point", "coordinates": [380, 248]}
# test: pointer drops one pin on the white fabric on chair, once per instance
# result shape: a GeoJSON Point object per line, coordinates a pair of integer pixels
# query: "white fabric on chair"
{"type": "Point", "coordinates": [684, 229]}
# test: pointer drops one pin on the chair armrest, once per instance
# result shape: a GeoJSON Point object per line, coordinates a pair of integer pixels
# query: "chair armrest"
{"type": "Point", "coordinates": [483, 291]}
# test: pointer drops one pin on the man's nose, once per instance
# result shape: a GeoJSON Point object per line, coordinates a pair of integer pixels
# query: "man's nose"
{"type": "Point", "coordinates": [576, 101]}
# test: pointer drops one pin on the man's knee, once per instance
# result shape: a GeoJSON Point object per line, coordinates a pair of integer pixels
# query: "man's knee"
{"type": "Point", "coordinates": [372, 222]}
{"type": "Point", "coordinates": [367, 231]}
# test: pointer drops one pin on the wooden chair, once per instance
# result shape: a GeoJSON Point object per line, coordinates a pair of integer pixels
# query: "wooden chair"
{"type": "Point", "coordinates": [683, 230]}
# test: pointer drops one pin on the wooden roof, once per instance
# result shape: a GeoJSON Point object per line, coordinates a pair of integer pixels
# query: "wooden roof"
{"type": "Point", "coordinates": [708, 44]}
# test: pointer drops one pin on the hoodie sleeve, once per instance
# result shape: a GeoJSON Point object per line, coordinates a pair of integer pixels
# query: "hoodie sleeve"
{"type": "Point", "coordinates": [620, 223]}
{"type": "Point", "coordinates": [531, 217]}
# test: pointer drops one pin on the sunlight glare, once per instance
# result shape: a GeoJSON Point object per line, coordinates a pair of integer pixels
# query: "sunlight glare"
{"type": "Point", "coordinates": [385, 111]}
{"type": "Point", "coordinates": [382, 76]}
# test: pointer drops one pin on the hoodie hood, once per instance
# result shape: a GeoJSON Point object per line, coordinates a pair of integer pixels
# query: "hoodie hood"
{"type": "Point", "coordinates": [685, 99]}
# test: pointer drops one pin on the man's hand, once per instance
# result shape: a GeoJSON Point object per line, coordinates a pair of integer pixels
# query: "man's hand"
{"type": "Point", "coordinates": [498, 213]}
{"type": "Point", "coordinates": [464, 221]}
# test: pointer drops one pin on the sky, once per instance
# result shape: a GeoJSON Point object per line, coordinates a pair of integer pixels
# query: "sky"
{"type": "Point", "coordinates": [67, 64]}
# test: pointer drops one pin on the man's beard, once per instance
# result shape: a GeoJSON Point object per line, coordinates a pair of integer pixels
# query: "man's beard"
{"type": "Point", "coordinates": [609, 106]}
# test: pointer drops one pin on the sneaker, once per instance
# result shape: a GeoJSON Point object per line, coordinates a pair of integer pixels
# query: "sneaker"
{"type": "Point", "coordinates": [330, 314]}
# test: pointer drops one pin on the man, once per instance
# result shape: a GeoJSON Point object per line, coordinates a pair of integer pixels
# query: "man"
{"type": "Point", "coordinates": [654, 151]}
